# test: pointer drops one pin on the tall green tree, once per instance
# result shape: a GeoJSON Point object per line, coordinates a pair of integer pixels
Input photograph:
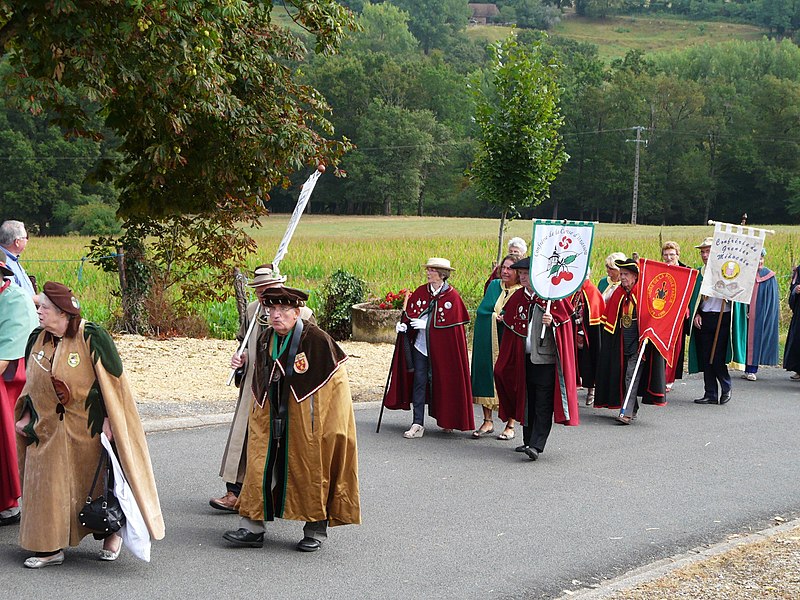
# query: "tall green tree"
{"type": "Point", "coordinates": [203, 96]}
{"type": "Point", "coordinates": [520, 151]}
{"type": "Point", "coordinates": [435, 22]}
{"type": "Point", "coordinates": [397, 146]}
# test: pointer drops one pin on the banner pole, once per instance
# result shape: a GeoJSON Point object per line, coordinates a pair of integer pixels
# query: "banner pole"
{"type": "Point", "coordinates": [544, 327]}
{"type": "Point", "coordinates": [633, 379]}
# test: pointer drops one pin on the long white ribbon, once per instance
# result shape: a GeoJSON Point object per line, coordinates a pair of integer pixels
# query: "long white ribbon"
{"type": "Point", "coordinates": [302, 201]}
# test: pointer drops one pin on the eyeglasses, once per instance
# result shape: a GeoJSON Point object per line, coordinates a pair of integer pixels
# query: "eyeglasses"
{"type": "Point", "coordinates": [39, 357]}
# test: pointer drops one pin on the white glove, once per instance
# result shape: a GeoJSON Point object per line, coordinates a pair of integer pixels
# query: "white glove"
{"type": "Point", "coordinates": [401, 328]}
{"type": "Point", "coordinates": [419, 323]}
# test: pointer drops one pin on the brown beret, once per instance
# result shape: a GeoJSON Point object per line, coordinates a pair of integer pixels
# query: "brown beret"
{"type": "Point", "coordinates": [285, 296]}
{"type": "Point", "coordinates": [62, 297]}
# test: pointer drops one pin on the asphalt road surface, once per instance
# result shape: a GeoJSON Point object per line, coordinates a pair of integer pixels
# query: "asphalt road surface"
{"type": "Point", "coordinates": [447, 516]}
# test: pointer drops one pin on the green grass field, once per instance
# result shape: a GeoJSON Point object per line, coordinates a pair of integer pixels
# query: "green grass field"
{"type": "Point", "coordinates": [614, 36]}
{"type": "Point", "coordinates": [387, 252]}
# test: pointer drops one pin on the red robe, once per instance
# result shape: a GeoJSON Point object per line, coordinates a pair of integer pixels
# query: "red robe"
{"type": "Point", "coordinates": [509, 370]}
{"type": "Point", "coordinates": [591, 304]}
{"type": "Point", "coordinates": [610, 391]}
{"type": "Point", "coordinates": [450, 389]}
{"type": "Point", "coordinates": [10, 389]}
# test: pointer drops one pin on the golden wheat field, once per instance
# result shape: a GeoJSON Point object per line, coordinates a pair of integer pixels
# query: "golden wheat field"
{"type": "Point", "coordinates": [388, 254]}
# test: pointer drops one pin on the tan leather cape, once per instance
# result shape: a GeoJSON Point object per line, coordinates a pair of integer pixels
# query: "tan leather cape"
{"type": "Point", "coordinates": [58, 461]}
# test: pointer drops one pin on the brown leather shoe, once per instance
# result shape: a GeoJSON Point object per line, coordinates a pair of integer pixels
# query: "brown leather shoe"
{"type": "Point", "coordinates": [227, 503]}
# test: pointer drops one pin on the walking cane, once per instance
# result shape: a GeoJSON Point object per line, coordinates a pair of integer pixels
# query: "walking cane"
{"type": "Point", "coordinates": [389, 376]}
{"type": "Point", "coordinates": [716, 333]}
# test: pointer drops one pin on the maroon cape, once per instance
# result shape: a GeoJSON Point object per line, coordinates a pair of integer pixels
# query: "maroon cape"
{"type": "Point", "coordinates": [509, 370]}
{"type": "Point", "coordinates": [450, 389]}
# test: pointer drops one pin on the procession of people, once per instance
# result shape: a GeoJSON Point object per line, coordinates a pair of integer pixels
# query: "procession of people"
{"type": "Point", "coordinates": [291, 451]}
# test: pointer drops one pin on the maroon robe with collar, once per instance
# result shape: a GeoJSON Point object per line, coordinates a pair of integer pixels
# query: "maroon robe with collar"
{"type": "Point", "coordinates": [450, 388]}
{"type": "Point", "coordinates": [509, 370]}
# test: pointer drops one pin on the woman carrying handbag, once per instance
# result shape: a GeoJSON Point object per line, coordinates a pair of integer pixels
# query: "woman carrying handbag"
{"type": "Point", "coordinates": [75, 391]}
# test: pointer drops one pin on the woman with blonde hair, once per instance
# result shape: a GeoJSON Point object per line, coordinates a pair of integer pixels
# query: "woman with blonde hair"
{"type": "Point", "coordinates": [608, 284]}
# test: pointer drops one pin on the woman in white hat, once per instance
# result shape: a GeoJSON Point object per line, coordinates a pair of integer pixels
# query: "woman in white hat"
{"type": "Point", "coordinates": [432, 367]}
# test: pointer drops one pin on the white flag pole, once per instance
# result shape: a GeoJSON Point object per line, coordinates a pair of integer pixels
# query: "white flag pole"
{"type": "Point", "coordinates": [544, 327]}
{"type": "Point", "coordinates": [283, 247]}
{"type": "Point", "coordinates": [633, 379]}
{"type": "Point", "coordinates": [302, 201]}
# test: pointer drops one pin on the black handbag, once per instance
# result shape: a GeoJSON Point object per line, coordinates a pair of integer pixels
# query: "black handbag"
{"type": "Point", "coordinates": [102, 515]}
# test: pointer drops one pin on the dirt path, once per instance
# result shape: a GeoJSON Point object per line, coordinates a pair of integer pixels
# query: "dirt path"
{"type": "Point", "coordinates": [182, 376]}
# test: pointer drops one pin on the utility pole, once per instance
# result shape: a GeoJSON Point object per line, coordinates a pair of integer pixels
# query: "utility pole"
{"type": "Point", "coordinates": [638, 141]}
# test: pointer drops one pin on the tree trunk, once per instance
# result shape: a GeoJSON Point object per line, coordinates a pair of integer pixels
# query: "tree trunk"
{"type": "Point", "coordinates": [500, 238]}
{"type": "Point", "coordinates": [135, 277]}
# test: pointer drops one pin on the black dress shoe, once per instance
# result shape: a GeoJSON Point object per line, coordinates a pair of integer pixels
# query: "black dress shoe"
{"type": "Point", "coordinates": [531, 453]}
{"type": "Point", "coordinates": [10, 520]}
{"type": "Point", "coordinates": [705, 400]}
{"type": "Point", "coordinates": [246, 539]}
{"type": "Point", "coordinates": [725, 398]}
{"type": "Point", "coordinates": [520, 448]}
{"type": "Point", "coordinates": [308, 544]}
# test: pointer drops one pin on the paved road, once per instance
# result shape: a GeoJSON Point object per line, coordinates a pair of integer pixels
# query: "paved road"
{"type": "Point", "coordinates": [451, 517]}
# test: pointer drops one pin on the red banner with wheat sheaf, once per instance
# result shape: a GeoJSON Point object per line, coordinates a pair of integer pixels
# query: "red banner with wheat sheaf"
{"type": "Point", "coordinates": [664, 292]}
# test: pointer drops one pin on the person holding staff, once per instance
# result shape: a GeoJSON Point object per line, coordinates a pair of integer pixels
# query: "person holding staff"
{"type": "Point", "coordinates": [710, 348]}
{"type": "Point", "coordinates": [437, 371]}
{"type": "Point", "coordinates": [535, 369]}
{"type": "Point", "coordinates": [621, 350]}
{"type": "Point", "coordinates": [234, 458]}
{"type": "Point", "coordinates": [302, 460]}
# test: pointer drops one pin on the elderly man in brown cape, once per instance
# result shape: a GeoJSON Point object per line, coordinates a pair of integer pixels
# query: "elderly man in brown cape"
{"type": "Point", "coordinates": [302, 462]}
{"type": "Point", "coordinates": [234, 458]}
{"type": "Point", "coordinates": [75, 390]}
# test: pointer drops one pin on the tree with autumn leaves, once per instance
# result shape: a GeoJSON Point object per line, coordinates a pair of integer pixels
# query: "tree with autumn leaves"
{"type": "Point", "coordinates": [208, 112]}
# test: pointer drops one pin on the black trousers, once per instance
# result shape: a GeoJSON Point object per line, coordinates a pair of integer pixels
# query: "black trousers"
{"type": "Point", "coordinates": [540, 381]}
{"type": "Point", "coordinates": [716, 370]}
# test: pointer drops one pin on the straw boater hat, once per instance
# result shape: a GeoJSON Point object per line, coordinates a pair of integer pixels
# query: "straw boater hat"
{"type": "Point", "coordinates": [284, 296]}
{"type": "Point", "coordinates": [628, 264]}
{"type": "Point", "coordinates": [266, 275]}
{"type": "Point", "coordinates": [439, 263]}
{"type": "Point", "coordinates": [706, 243]}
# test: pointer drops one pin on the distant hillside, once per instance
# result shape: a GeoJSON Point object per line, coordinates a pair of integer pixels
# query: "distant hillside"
{"type": "Point", "coordinates": [614, 36]}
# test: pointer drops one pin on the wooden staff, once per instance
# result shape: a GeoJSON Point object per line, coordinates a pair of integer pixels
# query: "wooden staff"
{"type": "Point", "coordinates": [389, 376]}
{"type": "Point", "coordinates": [243, 345]}
{"type": "Point", "coordinates": [716, 332]}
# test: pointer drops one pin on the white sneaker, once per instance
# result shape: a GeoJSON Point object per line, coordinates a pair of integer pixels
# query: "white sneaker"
{"type": "Point", "coordinates": [416, 431]}
{"type": "Point", "coordinates": [749, 376]}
